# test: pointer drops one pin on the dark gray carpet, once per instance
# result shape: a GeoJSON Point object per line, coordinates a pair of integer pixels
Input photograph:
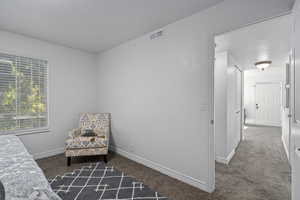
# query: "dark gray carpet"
{"type": "Point", "coordinates": [100, 182]}
{"type": "Point", "coordinates": [258, 171]}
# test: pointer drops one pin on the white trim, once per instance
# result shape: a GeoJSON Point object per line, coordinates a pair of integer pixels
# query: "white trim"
{"type": "Point", "coordinates": [285, 148]}
{"type": "Point", "coordinates": [165, 170]}
{"type": "Point", "coordinates": [27, 131]}
{"type": "Point", "coordinates": [50, 153]}
{"type": "Point", "coordinates": [265, 123]}
{"type": "Point", "coordinates": [211, 133]}
{"type": "Point", "coordinates": [226, 160]}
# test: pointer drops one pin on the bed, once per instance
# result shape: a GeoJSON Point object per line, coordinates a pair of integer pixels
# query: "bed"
{"type": "Point", "coordinates": [21, 176]}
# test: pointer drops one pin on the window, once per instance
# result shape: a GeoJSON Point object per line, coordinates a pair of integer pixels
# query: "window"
{"type": "Point", "coordinates": [23, 94]}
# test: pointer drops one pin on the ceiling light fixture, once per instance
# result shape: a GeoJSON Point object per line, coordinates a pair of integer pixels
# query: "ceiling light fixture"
{"type": "Point", "coordinates": [263, 64]}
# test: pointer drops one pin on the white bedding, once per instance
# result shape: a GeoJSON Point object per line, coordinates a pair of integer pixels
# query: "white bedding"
{"type": "Point", "coordinates": [19, 173]}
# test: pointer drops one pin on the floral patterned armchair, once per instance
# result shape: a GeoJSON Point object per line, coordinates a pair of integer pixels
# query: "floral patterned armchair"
{"type": "Point", "coordinates": [91, 138]}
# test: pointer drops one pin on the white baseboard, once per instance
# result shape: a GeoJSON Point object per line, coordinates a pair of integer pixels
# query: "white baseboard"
{"type": "Point", "coordinates": [165, 170]}
{"type": "Point", "coordinates": [250, 121]}
{"type": "Point", "coordinates": [226, 160]}
{"type": "Point", "coordinates": [285, 148]}
{"type": "Point", "coordinates": [46, 154]}
{"type": "Point", "coordinates": [274, 124]}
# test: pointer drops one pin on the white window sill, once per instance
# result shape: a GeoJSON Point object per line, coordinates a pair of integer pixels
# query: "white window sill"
{"type": "Point", "coordinates": [26, 132]}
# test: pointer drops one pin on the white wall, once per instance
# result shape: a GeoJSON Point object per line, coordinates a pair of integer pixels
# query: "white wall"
{"type": "Point", "coordinates": [251, 77]}
{"type": "Point", "coordinates": [296, 45]}
{"type": "Point", "coordinates": [72, 88]}
{"type": "Point", "coordinates": [160, 91]}
{"type": "Point", "coordinates": [295, 155]}
{"type": "Point", "coordinates": [295, 135]}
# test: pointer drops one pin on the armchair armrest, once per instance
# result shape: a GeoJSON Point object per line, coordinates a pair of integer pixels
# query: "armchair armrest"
{"type": "Point", "coordinates": [74, 133]}
{"type": "Point", "coordinates": [104, 133]}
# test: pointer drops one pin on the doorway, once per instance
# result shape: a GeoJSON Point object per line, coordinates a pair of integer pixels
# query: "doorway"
{"type": "Point", "coordinates": [249, 112]}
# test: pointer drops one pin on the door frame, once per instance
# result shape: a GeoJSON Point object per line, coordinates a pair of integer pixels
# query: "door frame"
{"type": "Point", "coordinates": [211, 135]}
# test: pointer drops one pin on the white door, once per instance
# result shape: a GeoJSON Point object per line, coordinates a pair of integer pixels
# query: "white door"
{"type": "Point", "coordinates": [234, 107]}
{"type": "Point", "coordinates": [268, 104]}
{"type": "Point", "coordinates": [238, 109]}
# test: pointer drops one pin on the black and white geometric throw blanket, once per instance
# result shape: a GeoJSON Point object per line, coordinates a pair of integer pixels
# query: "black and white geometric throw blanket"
{"type": "Point", "coordinates": [100, 182]}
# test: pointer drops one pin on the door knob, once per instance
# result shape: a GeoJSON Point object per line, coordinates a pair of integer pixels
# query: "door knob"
{"type": "Point", "coordinates": [257, 107]}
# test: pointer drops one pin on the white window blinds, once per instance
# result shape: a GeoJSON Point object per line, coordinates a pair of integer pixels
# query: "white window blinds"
{"type": "Point", "coordinates": [23, 93]}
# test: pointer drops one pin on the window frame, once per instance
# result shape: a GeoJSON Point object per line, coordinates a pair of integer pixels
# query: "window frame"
{"type": "Point", "coordinates": [29, 131]}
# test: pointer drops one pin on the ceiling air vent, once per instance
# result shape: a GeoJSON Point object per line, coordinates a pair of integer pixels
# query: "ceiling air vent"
{"type": "Point", "coordinates": [156, 35]}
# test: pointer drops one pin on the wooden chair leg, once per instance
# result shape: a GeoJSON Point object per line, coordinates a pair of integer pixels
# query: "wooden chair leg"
{"type": "Point", "coordinates": [69, 161]}
{"type": "Point", "coordinates": [105, 158]}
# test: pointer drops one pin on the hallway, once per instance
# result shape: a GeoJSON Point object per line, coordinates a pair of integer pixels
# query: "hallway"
{"type": "Point", "coordinates": [258, 171]}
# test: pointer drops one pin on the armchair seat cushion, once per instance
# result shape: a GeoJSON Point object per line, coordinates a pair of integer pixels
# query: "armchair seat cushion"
{"type": "Point", "coordinates": [86, 142]}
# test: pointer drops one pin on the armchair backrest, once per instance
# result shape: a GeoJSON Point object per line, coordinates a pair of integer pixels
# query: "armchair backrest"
{"type": "Point", "coordinates": [94, 121]}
